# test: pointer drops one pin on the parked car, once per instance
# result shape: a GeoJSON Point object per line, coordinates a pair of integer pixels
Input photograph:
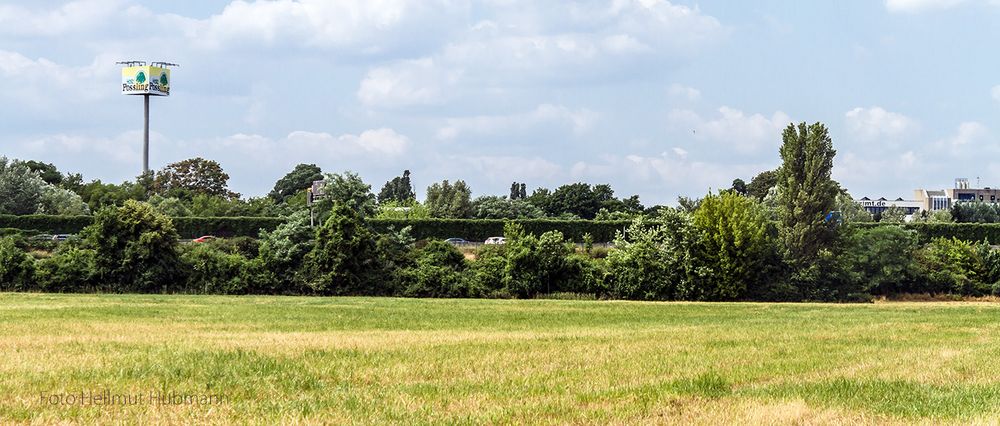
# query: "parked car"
{"type": "Point", "coordinates": [203, 239]}
{"type": "Point", "coordinates": [495, 240]}
{"type": "Point", "coordinates": [455, 241]}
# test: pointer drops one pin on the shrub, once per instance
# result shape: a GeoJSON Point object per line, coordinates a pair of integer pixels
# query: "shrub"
{"type": "Point", "coordinates": [439, 272]}
{"type": "Point", "coordinates": [883, 256]}
{"type": "Point", "coordinates": [278, 268]}
{"type": "Point", "coordinates": [737, 246]}
{"type": "Point", "coordinates": [657, 262]}
{"type": "Point", "coordinates": [345, 257]}
{"type": "Point", "coordinates": [952, 266]}
{"type": "Point", "coordinates": [70, 269]}
{"type": "Point", "coordinates": [488, 271]}
{"type": "Point", "coordinates": [17, 269]}
{"type": "Point", "coordinates": [213, 271]}
{"type": "Point", "coordinates": [536, 264]}
{"type": "Point", "coordinates": [135, 248]}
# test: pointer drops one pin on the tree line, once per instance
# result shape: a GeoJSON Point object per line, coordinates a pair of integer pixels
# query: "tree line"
{"type": "Point", "coordinates": [729, 245]}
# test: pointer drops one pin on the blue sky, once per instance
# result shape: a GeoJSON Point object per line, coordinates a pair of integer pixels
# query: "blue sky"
{"type": "Point", "coordinates": [656, 98]}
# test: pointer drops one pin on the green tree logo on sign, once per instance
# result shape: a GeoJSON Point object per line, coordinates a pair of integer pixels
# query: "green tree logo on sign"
{"type": "Point", "coordinates": [163, 79]}
{"type": "Point", "coordinates": [140, 77]}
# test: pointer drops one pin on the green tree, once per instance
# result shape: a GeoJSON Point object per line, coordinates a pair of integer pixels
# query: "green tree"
{"type": "Point", "coordinates": [851, 211]}
{"type": "Point", "coordinates": [47, 171]}
{"type": "Point", "coordinates": [398, 190]}
{"type": "Point", "coordinates": [739, 186]}
{"type": "Point", "coordinates": [345, 259]}
{"type": "Point", "coordinates": [736, 243]}
{"type": "Point", "coordinates": [297, 180]}
{"type": "Point", "coordinates": [807, 192]}
{"type": "Point", "coordinates": [439, 272]}
{"type": "Point", "coordinates": [578, 199]}
{"type": "Point", "coordinates": [893, 214]}
{"type": "Point", "coordinates": [446, 200]}
{"type": "Point", "coordinates": [61, 201]}
{"type": "Point", "coordinates": [193, 176]}
{"type": "Point", "coordinates": [20, 188]}
{"type": "Point", "coordinates": [135, 247]}
{"type": "Point", "coordinates": [494, 207]}
{"type": "Point", "coordinates": [17, 269]}
{"type": "Point", "coordinates": [762, 183]}
{"type": "Point", "coordinates": [518, 191]}
{"type": "Point", "coordinates": [883, 258]}
{"type": "Point", "coordinates": [351, 191]}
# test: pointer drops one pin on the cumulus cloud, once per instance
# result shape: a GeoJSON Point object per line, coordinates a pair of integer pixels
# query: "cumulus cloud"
{"type": "Point", "coordinates": [968, 133]}
{"type": "Point", "coordinates": [745, 133]}
{"type": "Point", "coordinates": [72, 17]}
{"type": "Point", "coordinates": [682, 92]}
{"type": "Point", "coordinates": [413, 82]}
{"type": "Point", "coordinates": [869, 124]}
{"type": "Point", "coordinates": [579, 121]}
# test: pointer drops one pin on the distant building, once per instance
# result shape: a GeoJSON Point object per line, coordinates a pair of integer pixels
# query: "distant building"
{"type": "Point", "coordinates": [880, 205]}
{"type": "Point", "coordinates": [943, 199]}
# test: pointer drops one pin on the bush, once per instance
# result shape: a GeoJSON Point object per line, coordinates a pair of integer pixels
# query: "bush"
{"type": "Point", "coordinates": [439, 272]}
{"type": "Point", "coordinates": [213, 271]}
{"type": "Point", "coordinates": [17, 269]}
{"type": "Point", "coordinates": [278, 268]}
{"type": "Point", "coordinates": [70, 269]}
{"type": "Point", "coordinates": [344, 260]}
{"type": "Point", "coordinates": [657, 262]}
{"type": "Point", "coordinates": [537, 265]}
{"type": "Point", "coordinates": [488, 271]}
{"type": "Point", "coordinates": [952, 266]}
{"type": "Point", "coordinates": [135, 248]}
{"type": "Point", "coordinates": [883, 256]}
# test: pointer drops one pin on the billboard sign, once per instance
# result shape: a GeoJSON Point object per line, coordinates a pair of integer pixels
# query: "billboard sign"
{"type": "Point", "coordinates": [146, 80]}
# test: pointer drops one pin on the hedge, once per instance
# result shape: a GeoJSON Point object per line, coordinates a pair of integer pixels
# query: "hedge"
{"type": "Point", "coordinates": [481, 229]}
{"type": "Point", "coordinates": [926, 232]}
{"type": "Point", "coordinates": [468, 229]}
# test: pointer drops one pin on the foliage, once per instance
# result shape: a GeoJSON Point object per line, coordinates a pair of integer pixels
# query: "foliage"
{"type": "Point", "coordinates": [439, 272]}
{"type": "Point", "coordinates": [655, 261]}
{"type": "Point", "coordinates": [953, 266]}
{"type": "Point", "coordinates": [297, 180]}
{"type": "Point", "coordinates": [739, 187]}
{"type": "Point", "coordinates": [280, 256]}
{"type": "Point", "coordinates": [807, 192]}
{"type": "Point", "coordinates": [447, 200]}
{"type": "Point", "coordinates": [17, 269]}
{"type": "Point", "coordinates": [191, 177]}
{"type": "Point", "coordinates": [975, 212]}
{"type": "Point", "coordinates": [20, 188]}
{"type": "Point", "coordinates": [737, 244]}
{"type": "Point", "coordinates": [350, 190]}
{"type": "Point", "coordinates": [518, 191]}
{"type": "Point", "coordinates": [403, 211]}
{"type": "Point", "coordinates": [135, 248]}
{"type": "Point", "coordinates": [213, 271]}
{"type": "Point", "coordinates": [893, 215]}
{"type": "Point", "coordinates": [47, 171]}
{"type": "Point", "coordinates": [70, 269]}
{"type": "Point", "coordinates": [61, 201]}
{"type": "Point", "coordinates": [851, 211]}
{"type": "Point", "coordinates": [494, 207]}
{"type": "Point", "coordinates": [883, 257]}
{"type": "Point", "coordinates": [344, 259]}
{"type": "Point", "coordinates": [761, 184]}
{"type": "Point", "coordinates": [398, 190]}
{"type": "Point", "coordinates": [578, 199]}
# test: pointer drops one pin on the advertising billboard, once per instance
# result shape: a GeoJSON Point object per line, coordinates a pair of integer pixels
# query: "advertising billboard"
{"type": "Point", "coordinates": [146, 80]}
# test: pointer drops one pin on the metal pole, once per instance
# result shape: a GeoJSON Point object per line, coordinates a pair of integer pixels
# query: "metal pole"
{"type": "Point", "coordinates": [145, 135]}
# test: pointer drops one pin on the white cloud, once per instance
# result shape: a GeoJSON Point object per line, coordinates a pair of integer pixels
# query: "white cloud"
{"type": "Point", "coordinates": [914, 6]}
{"type": "Point", "coordinates": [734, 128]}
{"type": "Point", "coordinates": [995, 92]}
{"type": "Point", "coordinates": [71, 17]}
{"type": "Point", "coordinates": [414, 82]}
{"type": "Point", "coordinates": [579, 121]}
{"type": "Point", "coordinates": [870, 124]}
{"type": "Point", "coordinates": [40, 81]}
{"type": "Point", "coordinates": [683, 92]}
{"type": "Point", "coordinates": [969, 133]}
{"type": "Point", "coordinates": [384, 142]}
{"type": "Point", "coordinates": [367, 26]}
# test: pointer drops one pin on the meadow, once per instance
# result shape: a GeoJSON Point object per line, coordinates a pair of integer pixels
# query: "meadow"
{"type": "Point", "coordinates": [230, 359]}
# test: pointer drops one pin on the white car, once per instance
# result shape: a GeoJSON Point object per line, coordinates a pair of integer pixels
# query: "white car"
{"type": "Point", "coordinates": [495, 240]}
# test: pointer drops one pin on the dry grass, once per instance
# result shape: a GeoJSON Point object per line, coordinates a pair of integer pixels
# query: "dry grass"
{"type": "Point", "coordinates": [361, 360]}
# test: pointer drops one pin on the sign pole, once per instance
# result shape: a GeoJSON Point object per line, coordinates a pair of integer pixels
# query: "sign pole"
{"type": "Point", "coordinates": [145, 136]}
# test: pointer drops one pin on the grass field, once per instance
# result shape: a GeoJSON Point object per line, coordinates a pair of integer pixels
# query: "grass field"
{"type": "Point", "coordinates": [364, 360]}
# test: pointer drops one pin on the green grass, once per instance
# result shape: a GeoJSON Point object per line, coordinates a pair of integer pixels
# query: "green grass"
{"type": "Point", "coordinates": [377, 360]}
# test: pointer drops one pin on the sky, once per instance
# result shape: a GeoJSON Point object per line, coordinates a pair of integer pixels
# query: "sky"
{"type": "Point", "coordinates": [657, 98]}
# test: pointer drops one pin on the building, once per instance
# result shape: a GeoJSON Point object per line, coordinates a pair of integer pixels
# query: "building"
{"type": "Point", "coordinates": [944, 199]}
{"type": "Point", "coordinates": [876, 207]}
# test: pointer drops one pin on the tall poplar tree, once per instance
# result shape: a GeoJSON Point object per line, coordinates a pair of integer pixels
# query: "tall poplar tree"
{"type": "Point", "coordinates": [808, 194]}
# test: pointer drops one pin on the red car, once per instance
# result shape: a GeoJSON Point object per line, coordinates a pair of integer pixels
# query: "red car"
{"type": "Point", "coordinates": [203, 239]}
